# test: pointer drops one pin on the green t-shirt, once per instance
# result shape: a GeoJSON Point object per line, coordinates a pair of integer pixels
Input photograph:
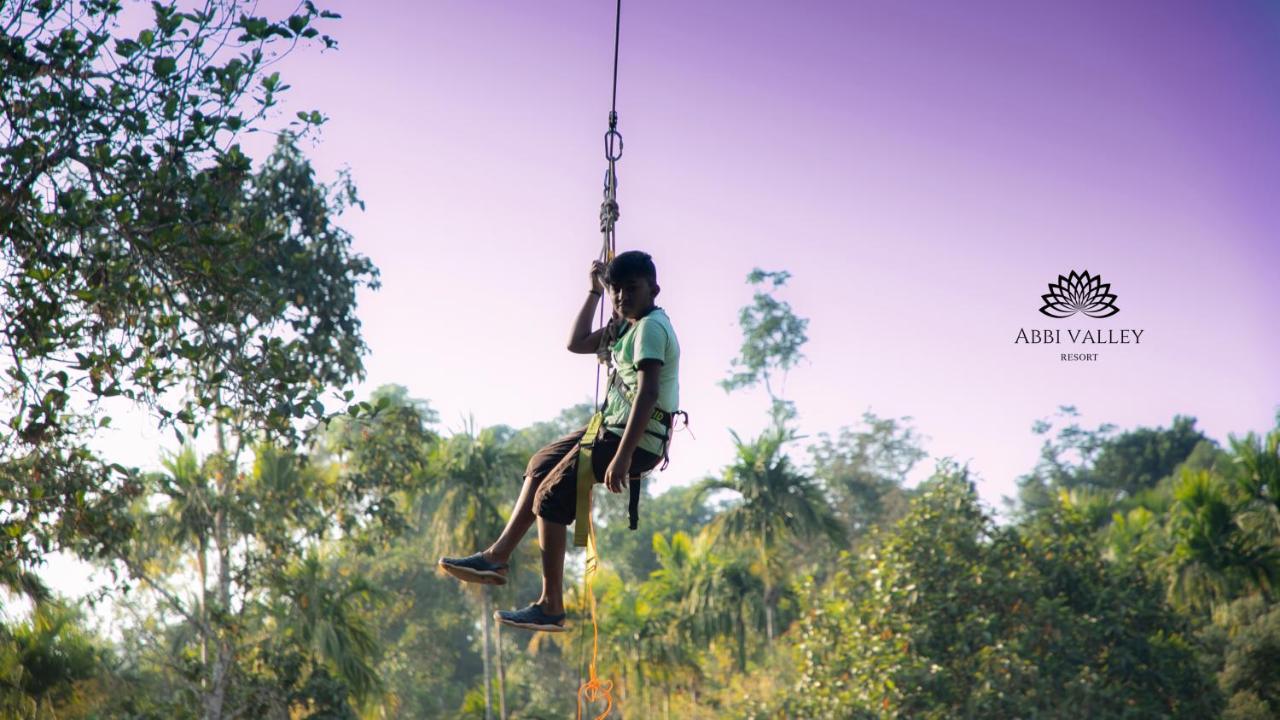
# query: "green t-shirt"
{"type": "Point", "coordinates": [652, 337]}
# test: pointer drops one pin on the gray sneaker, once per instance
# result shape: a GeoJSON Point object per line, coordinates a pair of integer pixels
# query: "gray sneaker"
{"type": "Point", "coordinates": [474, 568]}
{"type": "Point", "coordinates": [531, 618]}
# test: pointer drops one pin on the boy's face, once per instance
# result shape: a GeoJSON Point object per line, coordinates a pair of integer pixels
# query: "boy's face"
{"type": "Point", "coordinates": [633, 297]}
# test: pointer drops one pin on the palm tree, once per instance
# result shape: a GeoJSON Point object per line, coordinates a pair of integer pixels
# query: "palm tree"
{"type": "Point", "coordinates": [711, 596]}
{"type": "Point", "coordinates": [777, 504]}
{"type": "Point", "coordinates": [474, 468]}
{"type": "Point", "coordinates": [186, 521]}
{"type": "Point", "coordinates": [1094, 506]}
{"type": "Point", "coordinates": [1135, 537]}
{"type": "Point", "coordinates": [1214, 558]}
{"type": "Point", "coordinates": [324, 617]}
{"type": "Point", "coordinates": [730, 596]}
{"type": "Point", "coordinates": [41, 662]}
{"type": "Point", "coordinates": [1257, 474]}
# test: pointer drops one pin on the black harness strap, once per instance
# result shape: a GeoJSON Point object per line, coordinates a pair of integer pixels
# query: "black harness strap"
{"type": "Point", "coordinates": [662, 416]}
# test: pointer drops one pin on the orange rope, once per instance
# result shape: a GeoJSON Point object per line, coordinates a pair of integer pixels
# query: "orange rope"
{"type": "Point", "coordinates": [595, 688]}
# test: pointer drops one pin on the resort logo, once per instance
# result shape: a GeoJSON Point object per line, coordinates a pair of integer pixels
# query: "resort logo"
{"type": "Point", "coordinates": [1079, 293]}
{"type": "Point", "coordinates": [1085, 294]}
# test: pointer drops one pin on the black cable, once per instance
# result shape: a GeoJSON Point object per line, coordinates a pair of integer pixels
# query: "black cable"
{"type": "Point", "coordinates": [617, 29]}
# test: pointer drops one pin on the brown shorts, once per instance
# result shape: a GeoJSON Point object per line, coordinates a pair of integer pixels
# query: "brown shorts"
{"type": "Point", "coordinates": [554, 469]}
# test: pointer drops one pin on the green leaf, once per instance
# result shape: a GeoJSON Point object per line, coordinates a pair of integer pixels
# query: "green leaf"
{"type": "Point", "coordinates": [127, 48]}
{"type": "Point", "coordinates": [165, 66]}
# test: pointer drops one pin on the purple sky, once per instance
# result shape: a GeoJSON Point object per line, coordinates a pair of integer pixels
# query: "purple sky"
{"type": "Point", "coordinates": [922, 169]}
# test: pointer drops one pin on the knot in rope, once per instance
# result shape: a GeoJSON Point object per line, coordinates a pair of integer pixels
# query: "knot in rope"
{"type": "Point", "coordinates": [608, 214]}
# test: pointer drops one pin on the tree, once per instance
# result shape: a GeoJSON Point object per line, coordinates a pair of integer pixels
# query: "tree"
{"type": "Point", "coordinates": [320, 609]}
{"type": "Point", "coordinates": [776, 504]}
{"type": "Point", "coordinates": [473, 466]}
{"type": "Point", "coordinates": [952, 616]}
{"type": "Point", "coordinates": [187, 521]}
{"type": "Point", "coordinates": [45, 664]}
{"type": "Point", "coordinates": [1063, 459]}
{"type": "Point", "coordinates": [1138, 459]}
{"type": "Point", "coordinates": [1255, 470]}
{"type": "Point", "coordinates": [1121, 466]}
{"type": "Point", "coordinates": [143, 256]}
{"type": "Point", "coordinates": [575, 417]}
{"type": "Point", "coordinates": [631, 552]}
{"type": "Point", "coordinates": [384, 455]}
{"type": "Point", "coordinates": [265, 526]}
{"type": "Point", "coordinates": [425, 631]}
{"type": "Point", "coordinates": [864, 470]}
{"type": "Point", "coordinates": [772, 335]}
{"type": "Point", "coordinates": [717, 595]}
{"type": "Point", "coordinates": [1250, 674]}
{"type": "Point", "coordinates": [1214, 557]}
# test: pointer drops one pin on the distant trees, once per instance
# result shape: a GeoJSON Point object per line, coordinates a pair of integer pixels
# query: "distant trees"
{"type": "Point", "coordinates": [1159, 605]}
{"type": "Point", "coordinates": [864, 470]}
{"type": "Point", "coordinates": [952, 616]}
{"type": "Point", "coordinates": [1100, 462]}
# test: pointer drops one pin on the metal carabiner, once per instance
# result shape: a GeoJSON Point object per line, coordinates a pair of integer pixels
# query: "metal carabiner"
{"type": "Point", "coordinates": [610, 183]}
{"type": "Point", "coordinates": [612, 138]}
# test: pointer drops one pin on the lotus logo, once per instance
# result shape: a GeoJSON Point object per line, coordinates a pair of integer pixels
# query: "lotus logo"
{"type": "Point", "coordinates": [1079, 293]}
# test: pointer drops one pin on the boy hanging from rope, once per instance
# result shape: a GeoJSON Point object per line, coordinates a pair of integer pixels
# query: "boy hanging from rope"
{"type": "Point", "coordinates": [641, 399]}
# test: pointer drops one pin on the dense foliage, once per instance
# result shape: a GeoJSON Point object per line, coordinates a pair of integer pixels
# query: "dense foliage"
{"type": "Point", "coordinates": [144, 258]}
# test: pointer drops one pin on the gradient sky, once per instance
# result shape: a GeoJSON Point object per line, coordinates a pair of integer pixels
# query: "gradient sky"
{"type": "Point", "coordinates": [922, 169]}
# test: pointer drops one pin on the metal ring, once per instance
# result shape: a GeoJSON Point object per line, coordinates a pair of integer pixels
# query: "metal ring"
{"type": "Point", "coordinates": [609, 145]}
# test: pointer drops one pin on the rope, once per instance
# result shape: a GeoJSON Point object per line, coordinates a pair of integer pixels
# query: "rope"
{"type": "Point", "coordinates": [617, 29]}
{"type": "Point", "coordinates": [609, 206]}
{"type": "Point", "coordinates": [595, 689]}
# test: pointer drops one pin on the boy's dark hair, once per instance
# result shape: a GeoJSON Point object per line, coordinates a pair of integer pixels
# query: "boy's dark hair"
{"type": "Point", "coordinates": [630, 264]}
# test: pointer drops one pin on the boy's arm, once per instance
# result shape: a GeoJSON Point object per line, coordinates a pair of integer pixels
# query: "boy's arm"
{"type": "Point", "coordinates": [637, 422]}
{"type": "Point", "coordinates": [581, 339]}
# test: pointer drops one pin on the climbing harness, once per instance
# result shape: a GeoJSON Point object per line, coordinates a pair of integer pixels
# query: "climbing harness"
{"type": "Point", "coordinates": [664, 418]}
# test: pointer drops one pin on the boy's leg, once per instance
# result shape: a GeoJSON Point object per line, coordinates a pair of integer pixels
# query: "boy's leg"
{"type": "Point", "coordinates": [552, 537]}
{"type": "Point", "coordinates": [545, 461]}
{"type": "Point", "coordinates": [521, 518]}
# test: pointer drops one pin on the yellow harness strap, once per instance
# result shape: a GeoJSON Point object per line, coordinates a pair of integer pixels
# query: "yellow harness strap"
{"type": "Point", "coordinates": [586, 480]}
